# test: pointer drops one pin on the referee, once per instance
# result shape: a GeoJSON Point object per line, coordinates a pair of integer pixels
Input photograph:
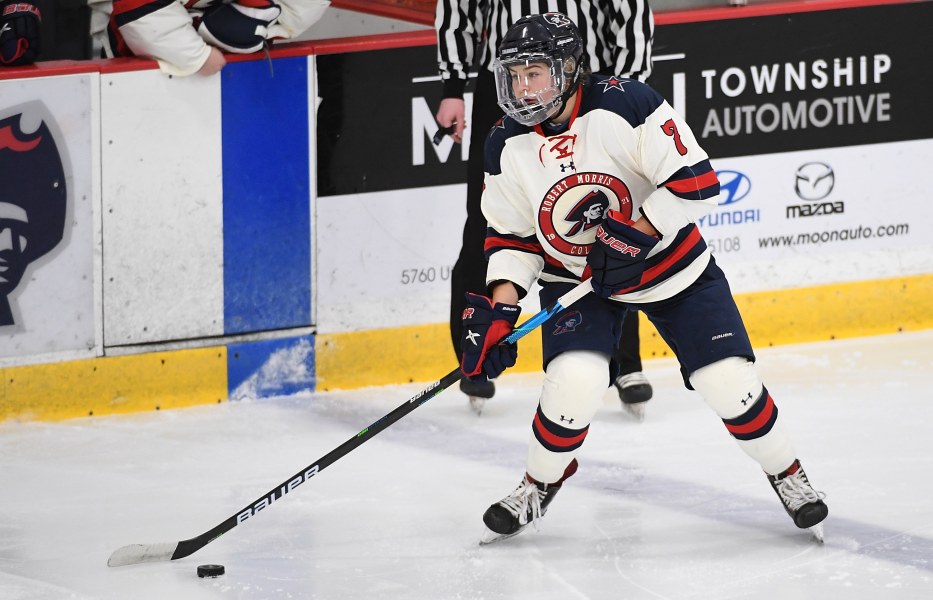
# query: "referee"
{"type": "Point", "coordinates": [617, 36]}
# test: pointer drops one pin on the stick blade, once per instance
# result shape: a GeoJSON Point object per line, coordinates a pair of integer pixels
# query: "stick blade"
{"type": "Point", "coordinates": [141, 553]}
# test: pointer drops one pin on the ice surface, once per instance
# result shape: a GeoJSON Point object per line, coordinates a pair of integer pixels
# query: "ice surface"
{"type": "Point", "coordinates": [668, 508]}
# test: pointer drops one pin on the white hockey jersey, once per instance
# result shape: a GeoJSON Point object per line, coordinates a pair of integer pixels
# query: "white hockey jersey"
{"type": "Point", "coordinates": [163, 30]}
{"type": "Point", "coordinates": [625, 149]}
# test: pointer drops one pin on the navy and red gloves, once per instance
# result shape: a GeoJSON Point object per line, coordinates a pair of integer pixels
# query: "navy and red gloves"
{"type": "Point", "coordinates": [20, 40]}
{"type": "Point", "coordinates": [617, 258]}
{"type": "Point", "coordinates": [484, 326]}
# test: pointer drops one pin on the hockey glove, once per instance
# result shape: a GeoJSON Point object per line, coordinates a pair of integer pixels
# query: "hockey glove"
{"type": "Point", "coordinates": [484, 326]}
{"type": "Point", "coordinates": [617, 258]}
{"type": "Point", "coordinates": [20, 40]}
{"type": "Point", "coordinates": [239, 27]}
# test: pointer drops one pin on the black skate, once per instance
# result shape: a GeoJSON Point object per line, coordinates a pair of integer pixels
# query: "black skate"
{"type": "Point", "coordinates": [528, 503]}
{"type": "Point", "coordinates": [478, 391]}
{"type": "Point", "coordinates": [804, 504]}
{"type": "Point", "coordinates": [634, 392]}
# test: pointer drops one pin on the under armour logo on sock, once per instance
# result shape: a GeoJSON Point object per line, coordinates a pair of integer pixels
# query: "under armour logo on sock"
{"type": "Point", "coordinates": [563, 419]}
{"type": "Point", "coordinates": [745, 401]}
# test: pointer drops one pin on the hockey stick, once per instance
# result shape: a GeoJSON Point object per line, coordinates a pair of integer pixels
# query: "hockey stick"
{"type": "Point", "coordinates": [140, 553]}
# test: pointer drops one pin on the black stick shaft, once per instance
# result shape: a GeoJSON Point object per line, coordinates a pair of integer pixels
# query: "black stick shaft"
{"type": "Point", "coordinates": [138, 553]}
{"type": "Point", "coordinates": [188, 547]}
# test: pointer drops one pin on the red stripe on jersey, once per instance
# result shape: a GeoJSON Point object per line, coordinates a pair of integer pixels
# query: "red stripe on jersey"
{"type": "Point", "coordinates": [124, 6]}
{"type": "Point", "coordinates": [556, 440]}
{"type": "Point", "coordinates": [757, 423]}
{"type": "Point", "coordinates": [502, 243]}
{"type": "Point", "coordinates": [548, 259]}
{"type": "Point", "coordinates": [693, 184]}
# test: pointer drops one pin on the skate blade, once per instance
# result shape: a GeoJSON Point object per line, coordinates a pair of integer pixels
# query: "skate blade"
{"type": "Point", "coordinates": [491, 537]}
{"type": "Point", "coordinates": [477, 404]}
{"type": "Point", "coordinates": [817, 532]}
{"type": "Point", "coordinates": [637, 410]}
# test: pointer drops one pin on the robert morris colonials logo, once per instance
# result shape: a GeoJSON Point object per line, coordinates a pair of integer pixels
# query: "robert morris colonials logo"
{"type": "Point", "coordinates": [813, 182]}
{"type": "Point", "coordinates": [33, 202]}
{"type": "Point", "coordinates": [573, 207]}
{"type": "Point", "coordinates": [568, 322]}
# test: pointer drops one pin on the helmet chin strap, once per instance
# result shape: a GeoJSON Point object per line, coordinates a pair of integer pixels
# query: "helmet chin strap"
{"type": "Point", "coordinates": [564, 98]}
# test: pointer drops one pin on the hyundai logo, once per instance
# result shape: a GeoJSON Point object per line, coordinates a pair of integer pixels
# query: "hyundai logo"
{"type": "Point", "coordinates": [733, 185]}
{"type": "Point", "coordinates": [815, 181]}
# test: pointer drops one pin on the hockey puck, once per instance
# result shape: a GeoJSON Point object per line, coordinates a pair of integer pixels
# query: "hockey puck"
{"type": "Point", "coordinates": [210, 570]}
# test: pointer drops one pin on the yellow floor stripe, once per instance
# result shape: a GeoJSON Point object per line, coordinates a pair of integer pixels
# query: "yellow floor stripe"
{"type": "Point", "coordinates": [424, 353]}
{"type": "Point", "coordinates": [409, 354]}
{"type": "Point", "coordinates": [122, 384]}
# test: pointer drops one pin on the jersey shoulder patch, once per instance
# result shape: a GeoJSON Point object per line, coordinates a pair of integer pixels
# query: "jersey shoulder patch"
{"type": "Point", "coordinates": [631, 99]}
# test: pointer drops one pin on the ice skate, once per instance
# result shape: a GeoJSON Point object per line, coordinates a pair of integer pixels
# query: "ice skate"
{"type": "Point", "coordinates": [634, 392]}
{"type": "Point", "coordinates": [511, 515]}
{"type": "Point", "coordinates": [528, 503]}
{"type": "Point", "coordinates": [478, 391]}
{"type": "Point", "coordinates": [804, 504]}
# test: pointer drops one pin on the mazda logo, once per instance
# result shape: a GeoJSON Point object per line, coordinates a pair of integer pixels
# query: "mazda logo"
{"type": "Point", "coordinates": [815, 181]}
{"type": "Point", "coordinates": [733, 185]}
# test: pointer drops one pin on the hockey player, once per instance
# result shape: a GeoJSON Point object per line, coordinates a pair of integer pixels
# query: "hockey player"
{"type": "Point", "coordinates": [618, 40]}
{"type": "Point", "coordinates": [187, 36]}
{"type": "Point", "coordinates": [573, 144]}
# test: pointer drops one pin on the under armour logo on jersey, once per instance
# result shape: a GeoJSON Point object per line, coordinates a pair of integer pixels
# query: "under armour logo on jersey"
{"type": "Point", "coordinates": [564, 167]}
{"type": "Point", "coordinates": [613, 83]}
{"type": "Point", "coordinates": [561, 145]}
{"type": "Point", "coordinates": [568, 323]}
{"type": "Point", "coordinates": [588, 212]}
{"type": "Point", "coordinates": [6, 27]}
{"type": "Point", "coordinates": [471, 335]}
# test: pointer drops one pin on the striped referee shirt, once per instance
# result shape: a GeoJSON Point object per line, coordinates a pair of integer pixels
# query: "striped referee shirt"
{"type": "Point", "coordinates": [616, 34]}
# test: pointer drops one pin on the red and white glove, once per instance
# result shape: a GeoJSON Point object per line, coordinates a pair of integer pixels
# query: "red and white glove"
{"type": "Point", "coordinates": [484, 326]}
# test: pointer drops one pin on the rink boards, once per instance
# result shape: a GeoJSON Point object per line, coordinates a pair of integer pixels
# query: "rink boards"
{"type": "Point", "coordinates": [276, 228]}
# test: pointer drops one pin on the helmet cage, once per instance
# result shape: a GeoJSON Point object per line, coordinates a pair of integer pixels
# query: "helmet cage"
{"type": "Point", "coordinates": [551, 39]}
{"type": "Point", "coordinates": [536, 106]}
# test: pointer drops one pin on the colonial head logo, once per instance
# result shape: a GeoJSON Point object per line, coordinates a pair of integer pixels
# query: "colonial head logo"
{"type": "Point", "coordinates": [33, 202]}
{"type": "Point", "coordinates": [567, 322]}
{"type": "Point", "coordinates": [588, 213]}
{"type": "Point", "coordinates": [574, 206]}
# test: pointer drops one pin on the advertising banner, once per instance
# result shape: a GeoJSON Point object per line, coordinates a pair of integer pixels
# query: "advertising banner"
{"type": "Point", "coordinates": [800, 81]}
{"type": "Point", "coordinates": [49, 303]}
{"type": "Point", "coordinates": [822, 216]}
{"type": "Point", "coordinates": [816, 131]}
{"type": "Point", "coordinates": [379, 172]}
